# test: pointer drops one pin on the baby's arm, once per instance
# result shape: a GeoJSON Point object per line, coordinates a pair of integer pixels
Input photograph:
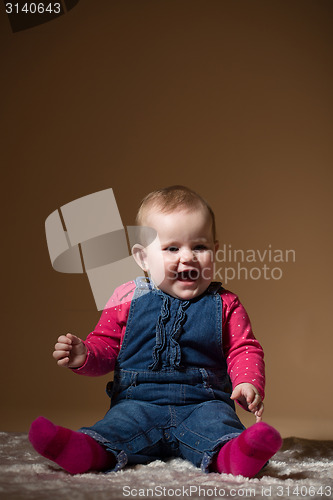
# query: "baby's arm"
{"type": "Point", "coordinates": [244, 355]}
{"type": "Point", "coordinates": [70, 351]}
{"type": "Point", "coordinates": [97, 355]}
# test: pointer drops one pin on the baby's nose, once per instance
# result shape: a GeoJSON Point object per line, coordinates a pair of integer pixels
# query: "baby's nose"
{"type": "Point", "coordinates": [186, 255]}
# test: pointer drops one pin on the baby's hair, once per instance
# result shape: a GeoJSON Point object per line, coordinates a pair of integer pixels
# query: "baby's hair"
{"type": "Point", "coordinates": [169, 199]}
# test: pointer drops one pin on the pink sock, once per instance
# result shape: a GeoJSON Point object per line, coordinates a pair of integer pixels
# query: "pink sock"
{"type": "Point", "coordinates": [73, 451]}
{"type": "Point", "coordinates": [248, 453]}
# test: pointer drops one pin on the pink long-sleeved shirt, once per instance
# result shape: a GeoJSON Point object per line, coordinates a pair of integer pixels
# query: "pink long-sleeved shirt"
{"type": "Point", "coordinates": [243, 353]}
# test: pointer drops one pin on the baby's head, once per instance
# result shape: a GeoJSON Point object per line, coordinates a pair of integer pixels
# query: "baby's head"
{"type": "Point", "coordinates": [173, 199]}
{"type": "Point", "coordinates": [180, 260]}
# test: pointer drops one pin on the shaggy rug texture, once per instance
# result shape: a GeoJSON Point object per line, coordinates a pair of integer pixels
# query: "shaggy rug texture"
{"type": "Point", "coordinates": [301, 469]}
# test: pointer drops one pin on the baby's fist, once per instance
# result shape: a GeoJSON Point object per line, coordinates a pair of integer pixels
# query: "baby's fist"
{"type": "Point", "coordinates": [70, 351]}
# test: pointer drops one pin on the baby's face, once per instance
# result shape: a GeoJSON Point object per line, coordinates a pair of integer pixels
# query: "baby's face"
{"type": "Point", "coordinates": [180, 261]}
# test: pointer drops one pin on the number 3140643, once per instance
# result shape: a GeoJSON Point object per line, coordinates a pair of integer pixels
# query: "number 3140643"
{"type": "Point", "coordinates": [33, 8]}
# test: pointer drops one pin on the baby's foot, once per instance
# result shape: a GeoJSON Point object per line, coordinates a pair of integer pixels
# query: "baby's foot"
{"type": "Point", "coordinates": [248, 453]}
{"type": "Point", "coordinates": [73, 451]}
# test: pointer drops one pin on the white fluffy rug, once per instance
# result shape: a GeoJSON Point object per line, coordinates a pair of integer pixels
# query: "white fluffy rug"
{"type": "Point", "coordinates": [301, 469]}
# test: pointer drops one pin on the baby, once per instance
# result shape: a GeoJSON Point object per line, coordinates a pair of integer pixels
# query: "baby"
{"type": "Point", "coordinates": [182, 350]}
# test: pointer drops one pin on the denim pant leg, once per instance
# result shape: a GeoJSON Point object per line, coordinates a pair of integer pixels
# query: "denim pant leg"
{"type": "Point", "coordinates": [133, 431]}
{"type": "Point", "coordinates": [206, 428]}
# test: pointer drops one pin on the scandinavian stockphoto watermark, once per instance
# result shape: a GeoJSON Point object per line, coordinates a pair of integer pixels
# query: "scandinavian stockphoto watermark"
{"type": "Point", "coordinates": [251, 264]}
{"type": "Point", "coordinates": [187, 491]}
{"type": "Point", "coordinates": [87, 236]}
{"type": "Point", "coordinates": [253, 491]}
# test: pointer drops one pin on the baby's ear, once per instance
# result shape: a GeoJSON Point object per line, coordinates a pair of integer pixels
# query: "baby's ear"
{"type": "Point", "coordinates": [139, 254]}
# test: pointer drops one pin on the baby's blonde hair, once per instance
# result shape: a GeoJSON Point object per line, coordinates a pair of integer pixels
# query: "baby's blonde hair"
{"type": "Point", "coordinates": [169, 199]}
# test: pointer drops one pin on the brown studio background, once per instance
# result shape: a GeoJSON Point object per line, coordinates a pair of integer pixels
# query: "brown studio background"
{"type": "Point", "coordinates": [233, 99]}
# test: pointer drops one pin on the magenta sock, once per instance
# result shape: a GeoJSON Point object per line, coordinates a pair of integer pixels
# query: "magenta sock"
{"type": "Point", "coordinates": [248, 453]}
{"type": "Point", "coordinates": [73, 451]}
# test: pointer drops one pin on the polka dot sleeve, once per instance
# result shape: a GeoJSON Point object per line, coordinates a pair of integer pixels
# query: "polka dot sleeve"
{"type": "Point", "coordinates": [244, 354]}
{"type": "Point", "coordinates": [104, 342]}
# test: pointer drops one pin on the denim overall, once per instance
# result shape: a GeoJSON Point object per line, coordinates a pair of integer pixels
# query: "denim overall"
{"type": "Point", "coordinates": [171, 391]}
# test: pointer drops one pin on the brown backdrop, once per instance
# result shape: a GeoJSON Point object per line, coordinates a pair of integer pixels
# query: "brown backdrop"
{"type": "Point", "coordinates": [233, 99]}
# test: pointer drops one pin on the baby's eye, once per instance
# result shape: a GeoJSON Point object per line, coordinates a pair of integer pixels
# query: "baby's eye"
{"type": "Point", "coordinates": [200, 248]}
{"type": "Point", "coordinates": [172, 249]}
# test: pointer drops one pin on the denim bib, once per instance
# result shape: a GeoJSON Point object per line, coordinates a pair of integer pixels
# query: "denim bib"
{"type": "Point", "coordinates": [171, 389]}
{"type": "Point", "coordinates": [172, 349]}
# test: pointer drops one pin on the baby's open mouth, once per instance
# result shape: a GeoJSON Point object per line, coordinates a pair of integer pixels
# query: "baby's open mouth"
{"type": "Point", "coordinates": [188, 276]}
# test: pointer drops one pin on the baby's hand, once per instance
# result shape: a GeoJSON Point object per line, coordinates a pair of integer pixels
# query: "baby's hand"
{"type": "Point", "coordinates": [70, 351]}
{"type": "Point", "coordinates": [248, 396]}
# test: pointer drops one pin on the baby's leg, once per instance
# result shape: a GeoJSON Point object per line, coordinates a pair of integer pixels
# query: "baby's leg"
{"type": "Point", "coordinates": [73, 451]}
{"type": "Point", "coordinates": [248, 453]}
